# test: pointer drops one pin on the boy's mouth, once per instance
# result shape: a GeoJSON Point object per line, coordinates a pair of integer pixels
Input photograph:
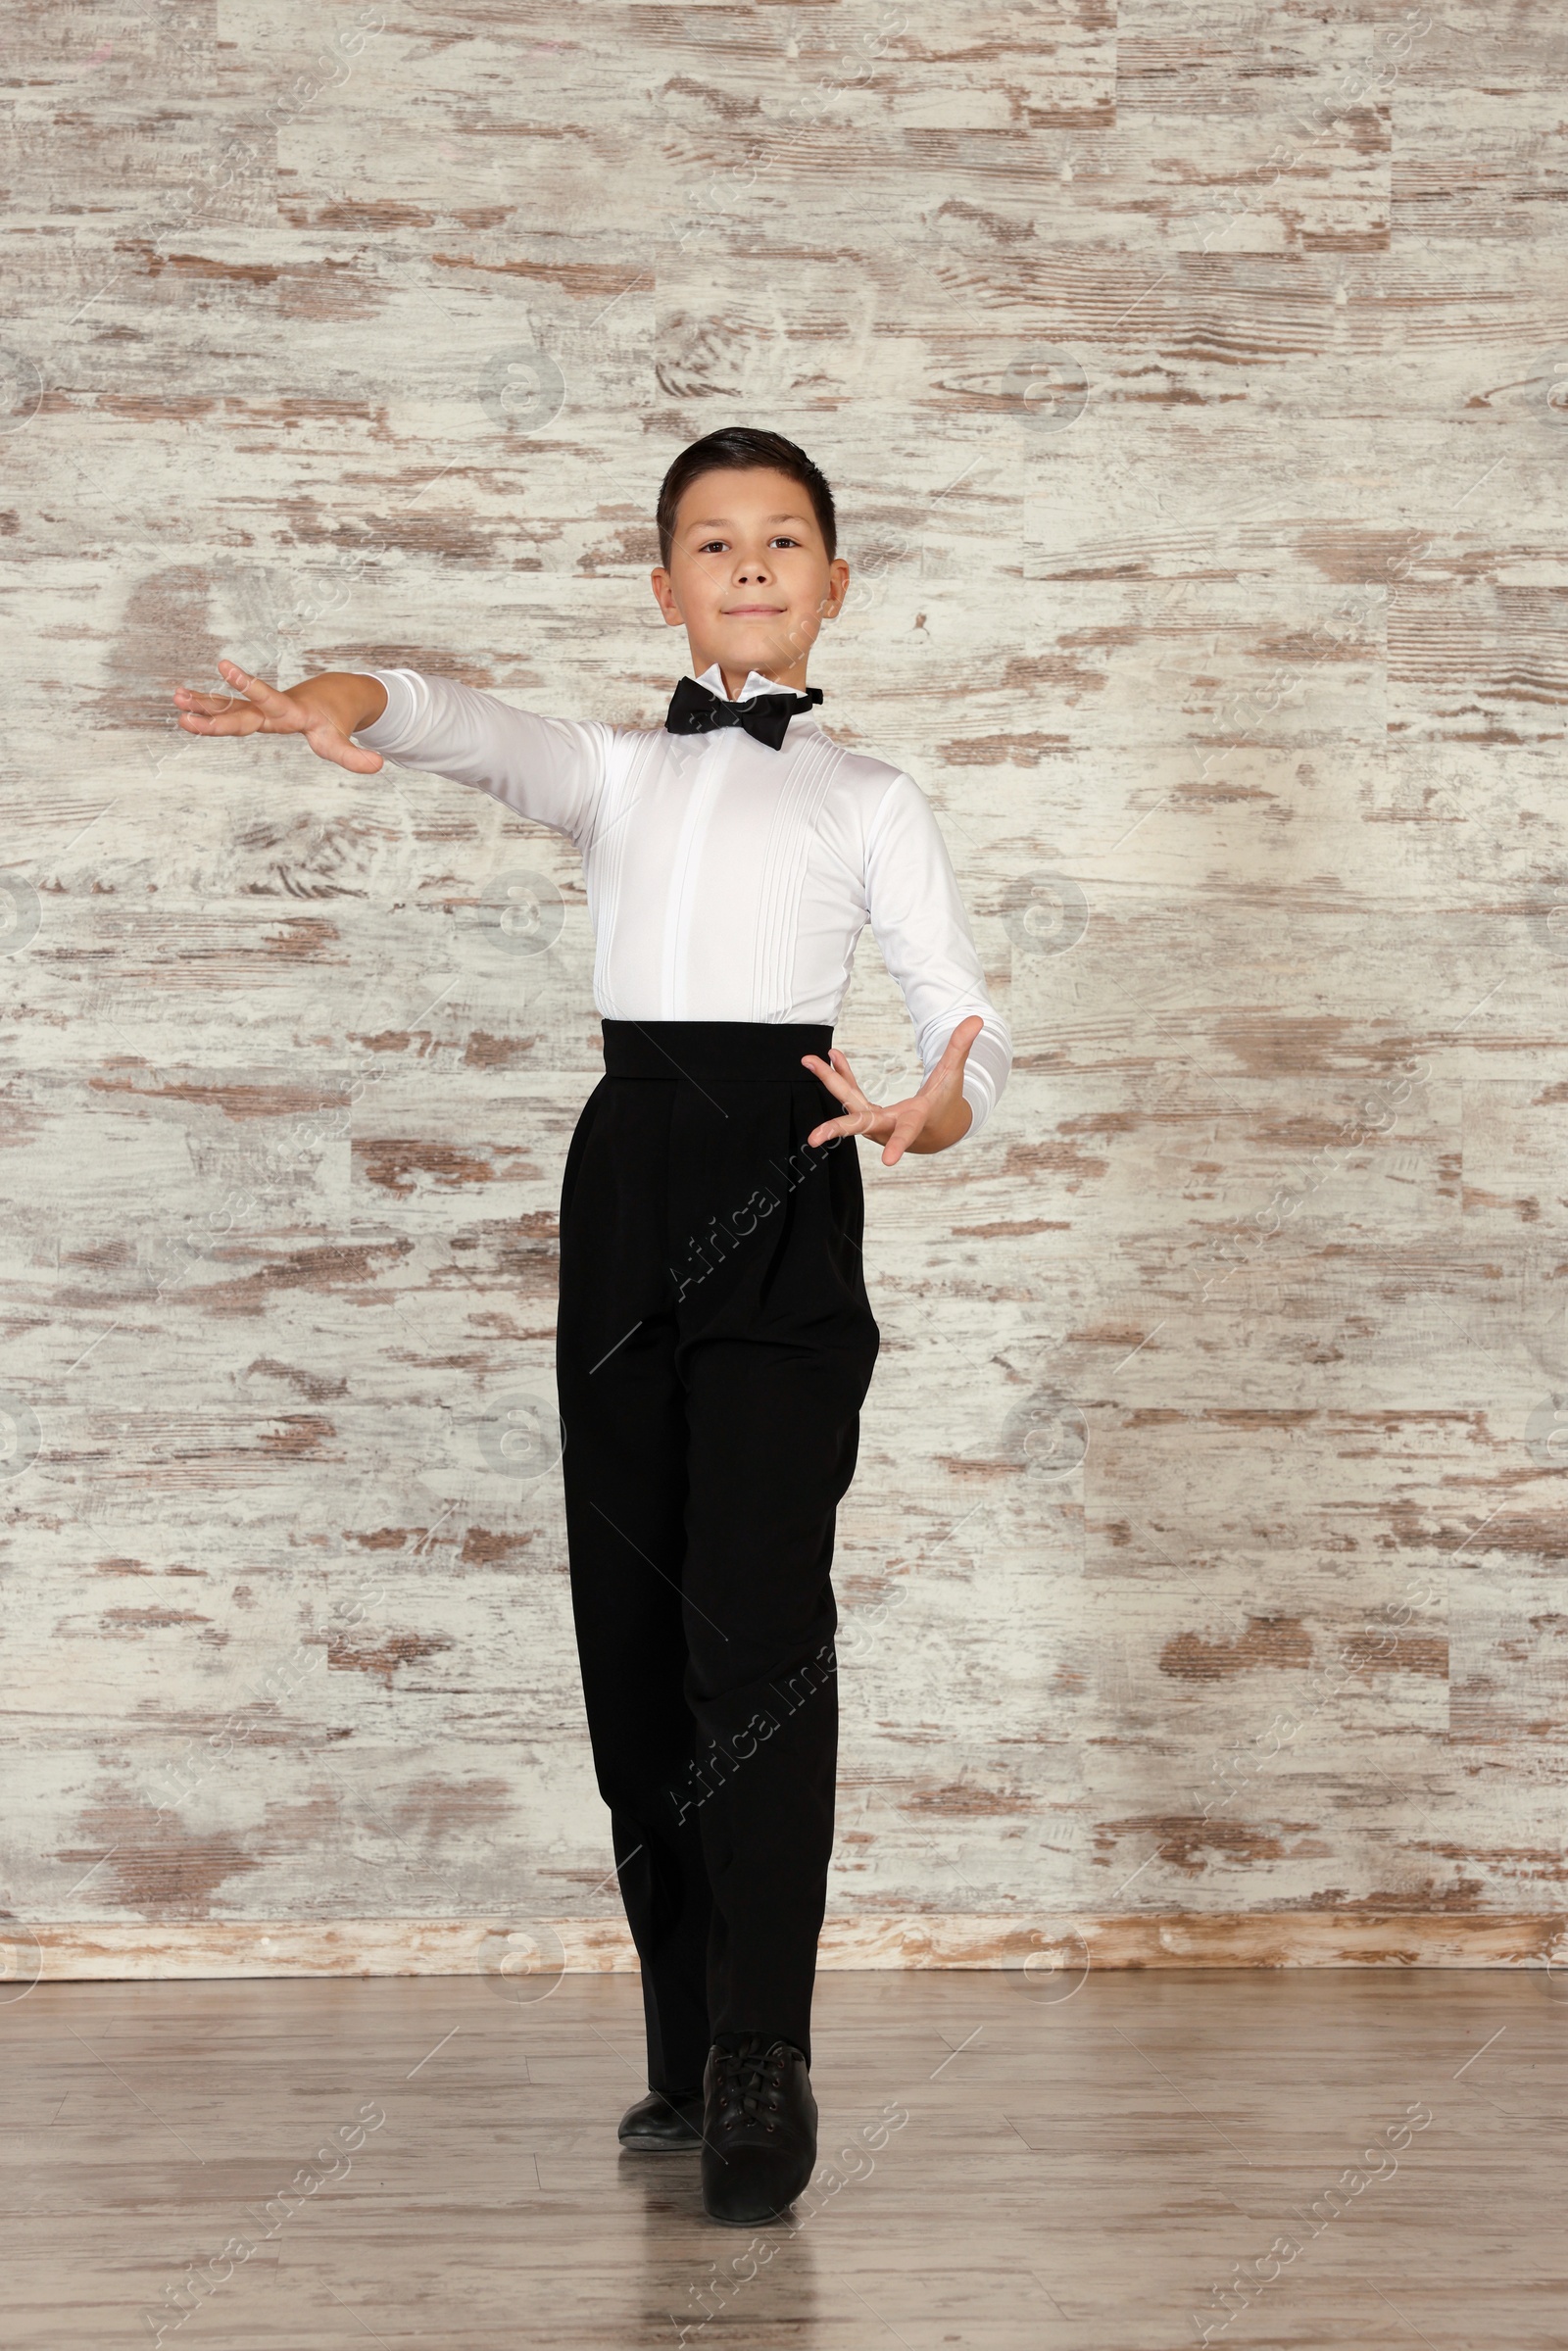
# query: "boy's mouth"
{"type": "Point", "coordinates": [754, 612]}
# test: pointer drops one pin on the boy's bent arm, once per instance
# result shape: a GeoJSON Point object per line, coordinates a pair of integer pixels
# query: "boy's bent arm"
{"type": "Point", "coordinates": [919, 923]}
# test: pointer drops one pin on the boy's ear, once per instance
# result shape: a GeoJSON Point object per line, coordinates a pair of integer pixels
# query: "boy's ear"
{"type": "Point", "coordinates": [665, 596]}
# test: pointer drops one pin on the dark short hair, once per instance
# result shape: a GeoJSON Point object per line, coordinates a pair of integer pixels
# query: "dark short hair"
{"type": "Point", "coordinates": [742, 448]}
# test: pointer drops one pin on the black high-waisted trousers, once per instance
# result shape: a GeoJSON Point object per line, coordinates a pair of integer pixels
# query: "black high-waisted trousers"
{"type": "Point", "coordinates": [714, 1350]}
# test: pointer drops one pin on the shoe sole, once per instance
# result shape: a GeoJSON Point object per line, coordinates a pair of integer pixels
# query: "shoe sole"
{"type": "Point", "coordinates": [663, 2146]}
{"type": "Point", "coordinates": [755, 2219]}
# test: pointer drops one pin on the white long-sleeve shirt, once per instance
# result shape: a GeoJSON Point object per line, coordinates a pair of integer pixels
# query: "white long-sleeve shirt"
{"type": "Point", "coordinates": [725, 881]}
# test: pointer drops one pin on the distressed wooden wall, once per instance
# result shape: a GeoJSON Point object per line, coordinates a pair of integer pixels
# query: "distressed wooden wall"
{"type": "Point", "coordinates": [1194, 385]}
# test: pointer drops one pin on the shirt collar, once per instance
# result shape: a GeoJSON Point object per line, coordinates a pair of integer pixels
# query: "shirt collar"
{"type": "Point", "coordinates": [756, 683]}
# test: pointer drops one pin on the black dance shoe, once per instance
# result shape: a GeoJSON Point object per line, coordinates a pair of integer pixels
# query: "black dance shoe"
{"type": "Point", "coordinates": [661, 2126]}
{"type": "Point", "coordinates": [758, 2127]}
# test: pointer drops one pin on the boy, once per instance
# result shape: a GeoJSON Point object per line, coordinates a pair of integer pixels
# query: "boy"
{"type": "Point", "coordinates": [715, 1341]}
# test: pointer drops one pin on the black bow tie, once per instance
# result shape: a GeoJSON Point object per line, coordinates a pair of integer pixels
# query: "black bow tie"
{"type": "Point", "coordinates": [695, 711]}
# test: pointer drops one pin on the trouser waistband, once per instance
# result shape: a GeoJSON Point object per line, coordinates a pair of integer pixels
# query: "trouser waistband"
{"type": "Point", "coordinates": [721, 1049]}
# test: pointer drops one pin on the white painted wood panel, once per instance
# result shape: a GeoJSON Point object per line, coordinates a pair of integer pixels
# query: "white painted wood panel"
{"type": "Point", "coordinates": [1194, 385]}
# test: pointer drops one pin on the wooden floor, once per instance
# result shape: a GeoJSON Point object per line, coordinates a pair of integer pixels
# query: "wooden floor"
{"type": "Point", "coordinates": [1079, 2171]}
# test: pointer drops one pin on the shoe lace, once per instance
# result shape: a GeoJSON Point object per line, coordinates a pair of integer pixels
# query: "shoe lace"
{"type": "Point", "coordinates": [751, 2080]}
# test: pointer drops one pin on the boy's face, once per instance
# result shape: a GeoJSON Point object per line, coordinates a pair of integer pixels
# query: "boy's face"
{"type": "Point", "coordinates": [749, 576]}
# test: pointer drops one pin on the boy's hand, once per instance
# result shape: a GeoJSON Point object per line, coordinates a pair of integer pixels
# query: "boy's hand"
{"type": "Point", "coordinates": [327, 710]}
{"type": "Point", "coordinates": [926, 1121]}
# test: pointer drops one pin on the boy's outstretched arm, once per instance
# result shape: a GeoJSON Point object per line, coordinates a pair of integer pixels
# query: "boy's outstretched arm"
{"type": "Point", "coordinates": [328, 711]}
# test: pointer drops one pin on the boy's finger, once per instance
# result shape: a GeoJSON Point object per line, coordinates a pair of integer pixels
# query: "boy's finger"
{"type": "Point", "coordinates": [830, 1078]}
{"type": "Point", "coordinates": [856, 1123]}
{"type": "Point", "coordinates": [951, 1064]}
{"type": "Point", "coordinates": [957, 1051]}
{"type": "Point", "coordinates": [266, 698]}
{"type": "Point", "coordinates": [906, 1127]}
{"type": "Point", "coordinates": [241, 718]}
{"type": "Point", "coordinates": [347, 754]}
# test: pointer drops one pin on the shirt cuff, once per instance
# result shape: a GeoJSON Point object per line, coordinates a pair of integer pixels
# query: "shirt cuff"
{"type": "Point", "coordinates": [978, 1095]}
{"type": "Point", "coordinates": [387, 732]}
{"type": "Point", "coordinates": [985, 1071]}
